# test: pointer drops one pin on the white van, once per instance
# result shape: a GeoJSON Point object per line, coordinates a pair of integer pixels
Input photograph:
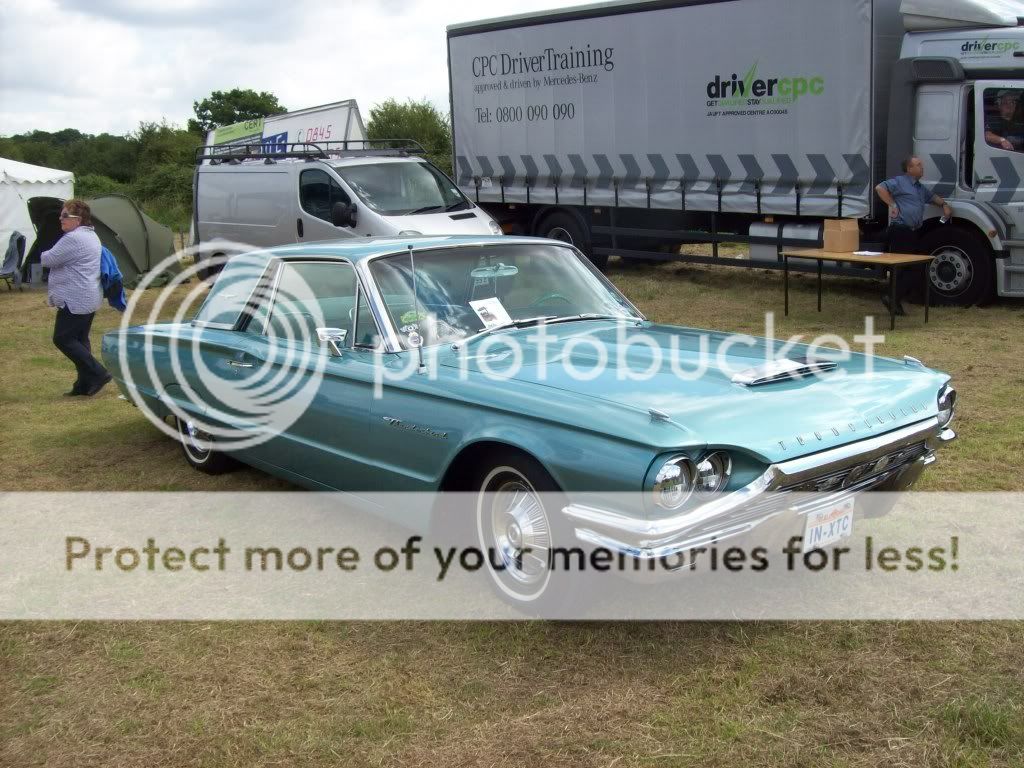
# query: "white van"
{"type": "Point", "coordinates": [313, 192]}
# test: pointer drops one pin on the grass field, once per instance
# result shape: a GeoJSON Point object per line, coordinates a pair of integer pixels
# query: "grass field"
{"type": "Point", "coordinates": [515, 694]}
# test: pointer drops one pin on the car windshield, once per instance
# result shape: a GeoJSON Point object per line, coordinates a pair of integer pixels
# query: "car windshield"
{"type": "Point", "coordinates": [402, 189]}
{"type": "Point", "coordinates": [466, 290]}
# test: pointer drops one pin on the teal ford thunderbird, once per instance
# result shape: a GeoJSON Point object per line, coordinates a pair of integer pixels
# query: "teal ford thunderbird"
{"type": "Point", "coordinates": [509, 367]}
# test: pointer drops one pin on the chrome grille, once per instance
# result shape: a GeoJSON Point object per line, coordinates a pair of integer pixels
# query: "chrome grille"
{"type": "Point", "coordinates": [858, 473]}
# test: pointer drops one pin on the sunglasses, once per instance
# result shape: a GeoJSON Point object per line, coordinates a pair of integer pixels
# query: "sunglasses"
{"type": "Point", "coordinates": [69, 216]}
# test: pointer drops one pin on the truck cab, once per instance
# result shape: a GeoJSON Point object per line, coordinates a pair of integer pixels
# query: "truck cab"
{"type": "Point", "coordinates": [968, 128]}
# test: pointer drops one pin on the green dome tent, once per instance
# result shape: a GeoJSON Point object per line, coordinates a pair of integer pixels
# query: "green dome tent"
{"type": "Point", "coordinates": [138, 242]}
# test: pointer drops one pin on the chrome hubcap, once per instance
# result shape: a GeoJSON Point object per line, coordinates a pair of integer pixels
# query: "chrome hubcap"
{"type": "Point", "coordinates": [951, 270]}
{"type": "Point", "coordinates": [520, 531]}
{"type": "Point", "coordinates": [196, 442]}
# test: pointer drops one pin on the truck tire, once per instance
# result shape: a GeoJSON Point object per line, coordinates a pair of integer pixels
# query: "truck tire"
{"type": "Point", "coordinates": [961, 272]}
{"type": "Point", "coordinates": [567, 228]}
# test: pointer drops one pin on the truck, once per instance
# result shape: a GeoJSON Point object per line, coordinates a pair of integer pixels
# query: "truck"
{"type": "Point", "coordinates": [311, 176]}
{"type": "Point", "coordinates": [635, 127]}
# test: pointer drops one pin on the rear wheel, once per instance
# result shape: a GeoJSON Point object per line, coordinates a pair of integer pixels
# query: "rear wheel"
{"type": "Point", "coordinates": [199, 451]}
{"type": "Point", "coordinates": [961, 272]}
{"type": "Point", "coordinates": [563, 226]}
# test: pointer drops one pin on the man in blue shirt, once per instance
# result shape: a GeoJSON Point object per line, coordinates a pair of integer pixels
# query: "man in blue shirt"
{"type": "Point", "coordinates": [907, 199]}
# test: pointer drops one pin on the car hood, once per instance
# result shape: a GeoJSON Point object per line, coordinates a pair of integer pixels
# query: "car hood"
{"type": "Point", "coordinates": [654, 368]}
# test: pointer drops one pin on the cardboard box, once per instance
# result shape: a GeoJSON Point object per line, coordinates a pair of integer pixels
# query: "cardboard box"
{"type": "Point", "coordinates": [841, 235]}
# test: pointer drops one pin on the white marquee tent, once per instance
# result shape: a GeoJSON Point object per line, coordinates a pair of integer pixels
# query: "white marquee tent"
{"type": "Point", "coordinates": [19, 182]}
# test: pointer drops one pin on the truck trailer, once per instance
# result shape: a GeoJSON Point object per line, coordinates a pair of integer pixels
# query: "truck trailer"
{"type": "Point", "coordinates": [630, 128]}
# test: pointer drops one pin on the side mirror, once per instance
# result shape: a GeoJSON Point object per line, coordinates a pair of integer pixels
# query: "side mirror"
{"type": "Point", "coordinates": [334, 338]}
{"type": "Point", "coordinates": [343, 215]}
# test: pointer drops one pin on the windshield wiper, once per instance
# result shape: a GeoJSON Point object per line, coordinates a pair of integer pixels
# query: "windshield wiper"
{"type": "Point", "coordinates": [457, 206]}
{"type": "Point", "coordinates": [426, 209]}
{"type": "Point", "coordinates": [590, 316]}
{"type": "Point", "coordinates": [526, 322]}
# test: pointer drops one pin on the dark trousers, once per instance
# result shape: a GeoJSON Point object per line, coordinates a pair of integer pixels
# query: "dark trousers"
{"type": "Point", "coordinates": [71, 336]}
{"type": "Point", "coordinates": [903, 239]}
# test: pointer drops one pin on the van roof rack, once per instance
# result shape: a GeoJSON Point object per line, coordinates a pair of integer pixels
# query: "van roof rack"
{"type": "Point", "coordinates": [321, 150]}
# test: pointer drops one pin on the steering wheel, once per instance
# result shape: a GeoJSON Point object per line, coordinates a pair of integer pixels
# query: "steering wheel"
{"type": "Point", "coordinates": [553, 296]}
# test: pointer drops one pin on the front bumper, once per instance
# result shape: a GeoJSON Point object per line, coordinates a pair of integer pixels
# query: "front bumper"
{"type": "Point", "coordinates": [890, 462]}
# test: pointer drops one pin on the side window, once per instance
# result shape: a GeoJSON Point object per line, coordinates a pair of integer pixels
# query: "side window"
{"type": "Point", "coordinates": [1004, 120]}
{"type": "Point", "coordinates": [318, 193]}
{"type": "Point", "coordinates": [312, 295]}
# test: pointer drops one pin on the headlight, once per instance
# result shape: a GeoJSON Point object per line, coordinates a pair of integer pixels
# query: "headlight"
{"type": "Point", "coordinates": [674, 483]}
{"type": "Point", "coordinates": [495, 227]}
{"type": "Point", "coordinates": [713, 472]}
{"type": "Point", "coordinates": [947, 404]}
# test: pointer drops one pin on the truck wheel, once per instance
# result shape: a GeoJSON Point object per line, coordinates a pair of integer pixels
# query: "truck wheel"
{"type": "Point", "coordinates": [961, 272]}
{"type": "Point", "coordinates": [567, 228]}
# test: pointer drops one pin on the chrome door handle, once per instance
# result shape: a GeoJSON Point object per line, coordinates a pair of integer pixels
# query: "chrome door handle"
{"type": "Point", "coordinates": [987, 180]}
{"type": "Point", "coordinates": [238, 364]}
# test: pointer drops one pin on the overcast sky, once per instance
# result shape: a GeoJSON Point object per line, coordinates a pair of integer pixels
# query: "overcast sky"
{"type": "Point", "coordinates": [105, 65]}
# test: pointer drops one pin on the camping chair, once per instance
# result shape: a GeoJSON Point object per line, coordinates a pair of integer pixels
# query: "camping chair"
{"type": "Point", "coordinates": [10, 271]}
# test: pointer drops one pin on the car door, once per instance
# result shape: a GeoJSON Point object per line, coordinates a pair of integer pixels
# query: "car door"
{"type": "Point", "coordinates": [323, 389]}
{"type": "Point", "coordinates": [318, 193]}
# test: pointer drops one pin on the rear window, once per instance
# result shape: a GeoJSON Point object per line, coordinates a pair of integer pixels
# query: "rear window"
{"type": "Point", "coordinates": [231, 292]}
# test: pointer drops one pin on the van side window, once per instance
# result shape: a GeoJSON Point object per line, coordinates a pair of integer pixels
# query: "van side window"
{"type": "Point", "coordinates": [318, 193]}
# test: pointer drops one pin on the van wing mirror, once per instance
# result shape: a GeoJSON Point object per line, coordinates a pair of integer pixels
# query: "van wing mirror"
{"type": "Point", "coordinates": [343, 215]}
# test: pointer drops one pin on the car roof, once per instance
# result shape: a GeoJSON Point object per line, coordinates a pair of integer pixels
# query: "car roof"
{"type": "Point", "coordinates": [369, 247]}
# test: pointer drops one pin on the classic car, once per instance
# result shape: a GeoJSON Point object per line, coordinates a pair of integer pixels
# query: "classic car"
{"type": "Point", "coordinates": [511, 369]}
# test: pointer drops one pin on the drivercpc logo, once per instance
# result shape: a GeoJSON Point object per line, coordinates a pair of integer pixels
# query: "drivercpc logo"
{"type": "Point", "coordinates": [752, 94]}
{"type": "Point", "coordinates": [985, 48]}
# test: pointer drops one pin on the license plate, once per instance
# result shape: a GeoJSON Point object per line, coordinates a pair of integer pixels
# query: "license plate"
{"type": "Point", "coordinates": [827, 526]}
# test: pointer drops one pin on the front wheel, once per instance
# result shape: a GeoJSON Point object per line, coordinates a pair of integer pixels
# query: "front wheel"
{"type": "Point", "coordinates": [961, 270]}
{"type": "Point", "coordinates": [519, 526]}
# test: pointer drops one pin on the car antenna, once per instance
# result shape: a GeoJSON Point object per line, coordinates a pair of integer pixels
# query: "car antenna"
{"type": "Point", "coordinates": [415, 337]}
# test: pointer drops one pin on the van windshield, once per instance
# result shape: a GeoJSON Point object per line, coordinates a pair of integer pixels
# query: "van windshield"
{"type": "Point", "coordinates": [403, 189]}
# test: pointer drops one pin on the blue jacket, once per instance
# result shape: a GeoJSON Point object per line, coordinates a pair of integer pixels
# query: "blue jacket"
{"type": "Point", "coordinates": [112, 281]}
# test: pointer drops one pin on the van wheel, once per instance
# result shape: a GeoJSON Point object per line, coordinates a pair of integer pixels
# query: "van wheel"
{"type": "Point", "coordinates": [961, 272]}
{"type": "Point", "coordinates": [567, 228]}
{"type": "Point", "coordinates": [519, 523]}
{"type": "Point", "coordinates": [199, 451]}
{"type": "Point", "coordinates": [211, 268]}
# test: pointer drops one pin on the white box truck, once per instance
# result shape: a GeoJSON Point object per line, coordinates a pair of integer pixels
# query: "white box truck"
{"type": "Point", "coordinates": [631, 127]}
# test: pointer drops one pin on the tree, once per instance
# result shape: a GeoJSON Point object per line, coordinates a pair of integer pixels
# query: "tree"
{"type": "Point", "coordinates": [418, 120]}
{"type": "Point", "coordinates": [234, 106]}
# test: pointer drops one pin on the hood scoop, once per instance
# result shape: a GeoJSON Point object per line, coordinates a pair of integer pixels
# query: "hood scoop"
{"type": "Point", "coordinates": [785, 369]}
